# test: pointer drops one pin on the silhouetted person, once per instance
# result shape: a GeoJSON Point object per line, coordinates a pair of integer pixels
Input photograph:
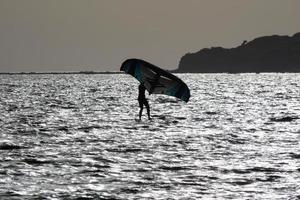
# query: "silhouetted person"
{"type": "Point", "coordinates": [143, 101]}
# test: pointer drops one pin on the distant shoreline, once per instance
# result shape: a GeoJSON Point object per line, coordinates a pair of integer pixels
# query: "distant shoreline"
{"type": "Point", "coordinates": [41, 73]}
{"type": "Point", "coordinates": [95, 73]}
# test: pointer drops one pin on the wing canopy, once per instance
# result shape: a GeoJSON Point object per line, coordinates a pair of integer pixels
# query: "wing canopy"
{"type": "Point", "coordinates": [155, 79]}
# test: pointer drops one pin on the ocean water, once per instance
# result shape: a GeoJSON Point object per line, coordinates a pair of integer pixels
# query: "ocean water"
{"type": "Point", "coordinates": [77, 137]}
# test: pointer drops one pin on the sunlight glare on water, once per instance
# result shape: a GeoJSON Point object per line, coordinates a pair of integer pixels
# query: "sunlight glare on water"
{"type": "Point", "coordinates": [76, 136]}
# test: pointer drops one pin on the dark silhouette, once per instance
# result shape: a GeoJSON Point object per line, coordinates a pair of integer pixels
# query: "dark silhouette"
{"type": "Point", "coordinates": [265, 54]}
{"type": "Point", "coordinates": [143, 101]}
{"type": "Point", "coordinates": [283, 119]}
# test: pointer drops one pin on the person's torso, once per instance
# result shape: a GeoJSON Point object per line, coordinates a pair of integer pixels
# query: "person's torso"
{"type": "Point", "coordinates": [141, 92]}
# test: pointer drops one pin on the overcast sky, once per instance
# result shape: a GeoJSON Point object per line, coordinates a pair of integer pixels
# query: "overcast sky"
{"type": "Point", "coordinates": [75, 35]}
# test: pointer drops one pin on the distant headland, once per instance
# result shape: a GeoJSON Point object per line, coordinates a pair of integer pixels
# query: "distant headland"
{"type": "Point", "coordinates": [264, 54]}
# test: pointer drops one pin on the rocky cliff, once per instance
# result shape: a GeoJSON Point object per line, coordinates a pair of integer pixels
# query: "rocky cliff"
{"type": "Point", "coordinates": [264, 54]}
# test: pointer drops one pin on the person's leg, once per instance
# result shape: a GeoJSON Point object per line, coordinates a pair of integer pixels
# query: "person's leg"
{"type": "Point", "coordinates": [141, 109]}
{"type": "Point", "coordinates": [148, 108]}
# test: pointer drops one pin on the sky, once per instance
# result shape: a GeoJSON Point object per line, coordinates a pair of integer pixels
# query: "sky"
{"type": "Point", "coordinates": [98, 35]}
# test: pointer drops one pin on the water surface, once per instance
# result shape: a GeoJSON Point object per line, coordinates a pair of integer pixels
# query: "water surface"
{"type": "Point", "coordinates": [76, 136]}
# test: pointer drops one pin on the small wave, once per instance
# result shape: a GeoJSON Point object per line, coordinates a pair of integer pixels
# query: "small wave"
{"type": "Point", "coordinates": [131, 128]}
{"type": "Point", "coordinates": [242, 182]}
{"type": "Point", "coordinates": [263, 169]}
{"type": "Point", "coordinates": [137, 170]}
{"type": "Point", "coordinates": [68, 107]}
{"type": "Point", "coordinates": [128, 190]}
{"type": "Point", "coordinates": [9, 146]}
{"type": "Point", "coordinates": [254, 170]}
{"type": "Point", "coordinates": [197, 119]}
{"type": "Point", "coordinates": [88, 128]}
{"type": "Point", "coordinates": [9, 85]}
{"type": "Point", "coordinates": [180, 118]}
{"type": "Point", "coordinates": [295, 155]}
{"type": "Point", "coordinates": [283, 119]}
{"type": "Point", "coordinates": [126, 150]}
{"type": "Point", "coordinates": [237, 141]}
{"type": "Point", "coordinates": [210, 113]}
{"type": "Point", "coordinates": [98, 166]}
{"type": "Point", "coordinates": [104, 160]}
{"type": "Point", "coordinates": [190, 183]}
{"type": "Point", "coordinates": [94, 172]}
{"type": "Point", "coordinates": [33, 161]}
{"type": "Point", "coordinates": [63, 128]}
{"type": "Point", "coordinates": [93, 90]}
{"type": "Point", "coordinates": [238, 171]}
{"type": "Point", "coordinates": [10, 195]}
{"type": "Point", "coordinates": [175, 168]}
{"type": "Point", "coordinates": [271, 178]}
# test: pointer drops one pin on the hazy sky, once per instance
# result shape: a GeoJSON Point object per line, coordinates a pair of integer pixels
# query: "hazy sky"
{"type": "Point", "coordinates": [72, 35]}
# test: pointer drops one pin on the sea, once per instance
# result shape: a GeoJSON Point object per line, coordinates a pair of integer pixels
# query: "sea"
{"type": "Point", "coordinates": [77, 136]}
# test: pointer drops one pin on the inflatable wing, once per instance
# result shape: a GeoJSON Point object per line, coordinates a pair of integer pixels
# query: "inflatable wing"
{"type": "Point", "coordinates": [155, 79]}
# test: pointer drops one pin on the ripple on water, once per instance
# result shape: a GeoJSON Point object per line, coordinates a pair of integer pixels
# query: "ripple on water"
{"type": "Point", "coordinates": [7, 145]}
